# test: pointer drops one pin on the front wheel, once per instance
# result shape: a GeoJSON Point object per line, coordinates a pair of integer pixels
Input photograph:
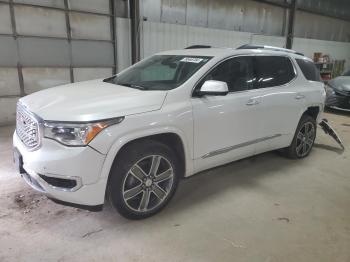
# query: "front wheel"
{"type": "Point", "coordinates": [304, 138]}
{"type": "Point", "coordinates": [143, 179]}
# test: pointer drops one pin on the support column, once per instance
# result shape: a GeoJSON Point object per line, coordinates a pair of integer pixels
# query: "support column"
{"type": "Point", "coordinates": [135, 30]}
{"type": "Point", "coordinates": [113, 12]}
{"type": "Point", "coordinates": [291, 21]}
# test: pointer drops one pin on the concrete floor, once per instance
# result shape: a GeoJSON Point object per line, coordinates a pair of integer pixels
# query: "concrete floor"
{"type": "Point", "coordinates": [265, 208]}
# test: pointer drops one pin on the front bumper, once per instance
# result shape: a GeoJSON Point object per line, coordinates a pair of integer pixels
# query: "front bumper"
{"type": "Point", "coordinates": [55, 161]}
{"type": "Point", "coordinates": [338, 100]}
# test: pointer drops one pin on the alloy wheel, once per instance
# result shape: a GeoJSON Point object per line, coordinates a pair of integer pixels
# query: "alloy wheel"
{"type": "Point", "coordinates": [305, 139]}
{"type": "Point", "coordinates": [148, 183]}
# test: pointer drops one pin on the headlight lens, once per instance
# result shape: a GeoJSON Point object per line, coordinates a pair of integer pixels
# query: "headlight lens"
{"type": "Point", "coordinates": [329, 90]}
{"type": "Point", "coordinates": [76, 134]}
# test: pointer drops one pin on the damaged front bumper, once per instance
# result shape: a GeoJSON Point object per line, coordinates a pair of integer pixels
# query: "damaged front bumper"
{"type": "Point", "coordinates": [330, 131]}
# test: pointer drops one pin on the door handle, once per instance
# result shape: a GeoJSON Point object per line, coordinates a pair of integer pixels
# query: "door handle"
{"type": "Point", "coordinates": [299, 96]}
{"type": "Point", "coordinates": [252, 102]}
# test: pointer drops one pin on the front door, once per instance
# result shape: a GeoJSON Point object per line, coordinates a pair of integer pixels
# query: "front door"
{"type": "Point", "coordinates": [226, 127]}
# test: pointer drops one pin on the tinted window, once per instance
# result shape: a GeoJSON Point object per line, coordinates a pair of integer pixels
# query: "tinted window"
{"type": "Point", "coordinates": [237, 72]}
{"type": "Point", "coordinates": [309, 70]}
{"type": "Point", "coordinates": [273, 71]}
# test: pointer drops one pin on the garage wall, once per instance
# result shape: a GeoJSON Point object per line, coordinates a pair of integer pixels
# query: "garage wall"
{"type": "Point", "coordinates": [237, 15]}
{"type": "Point", "coordinates": [162, 36]}
{"type": "Point", "coordinates": [317, 19]}
{"type": "Point", "coordinates": [44, 43]}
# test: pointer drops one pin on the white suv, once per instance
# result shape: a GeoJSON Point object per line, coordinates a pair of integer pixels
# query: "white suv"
{"type": "Point", "coordinates": [131, 137]}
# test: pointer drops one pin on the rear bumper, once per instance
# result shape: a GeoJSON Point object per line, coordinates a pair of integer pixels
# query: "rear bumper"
{"type": "Point", "coordinates": [54, 161]}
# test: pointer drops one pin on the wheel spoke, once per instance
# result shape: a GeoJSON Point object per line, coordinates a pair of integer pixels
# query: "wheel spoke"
{"type": "Point", "coordinates": [159, 192]}
{"type": "Point", "coordinates": [137, 172]}
{"type": "Point", "coordinates": [311, 133]}
{"type": "Point", "coordinates": [144, 200]}
{"type": "Point", "coordinates": [164, 176]}
{"type": "Point", "coordinates": [299, 147]}
{"type": "Point", "coordinates": [131, 193]}
{"type": "Point", "coordinates": [304, 148]}
{"type": "Point", "coordinates": [309, 142]}
{"type": "Point", "coordinates": [154, 165]}
{"type": "Point", "coordinates": [300, 136]}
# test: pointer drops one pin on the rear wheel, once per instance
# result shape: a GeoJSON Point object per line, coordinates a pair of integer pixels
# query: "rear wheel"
{"type": "Point", "coordinates": [143, 179]}
{"type": "Point", "coordinates": [304, 138]}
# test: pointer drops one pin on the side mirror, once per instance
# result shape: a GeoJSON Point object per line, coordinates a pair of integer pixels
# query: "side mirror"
{"type": "Point", "coordinates": [213, 88]}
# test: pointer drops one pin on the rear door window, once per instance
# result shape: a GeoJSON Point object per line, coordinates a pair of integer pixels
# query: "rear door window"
{"type": "Point", "coordinates": [273, 71]}
{"type": "Point", "coordinates": [309, 70]}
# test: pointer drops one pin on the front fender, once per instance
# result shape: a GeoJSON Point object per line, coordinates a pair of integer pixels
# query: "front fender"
{"type": "Point", "coordinates": [113, 138]}
{"type": "Point", "coordinates": [127, 138]}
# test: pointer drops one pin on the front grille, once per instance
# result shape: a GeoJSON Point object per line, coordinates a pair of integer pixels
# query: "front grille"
{"type": "Point", "coordinates": [342, 93]}
{"type": "Point", "coordinates": [338, 100]}
{"type": "Point", "coordinates": [27, 128]}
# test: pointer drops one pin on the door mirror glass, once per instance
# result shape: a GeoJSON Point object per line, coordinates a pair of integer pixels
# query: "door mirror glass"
{"type": "Point", "coordinates": [213, 88]}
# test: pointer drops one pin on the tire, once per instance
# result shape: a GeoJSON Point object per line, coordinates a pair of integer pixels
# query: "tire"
{"type": "Point", "coordinates": [143, 179]}
{"type": "Point", "coordinates": [302, 142]}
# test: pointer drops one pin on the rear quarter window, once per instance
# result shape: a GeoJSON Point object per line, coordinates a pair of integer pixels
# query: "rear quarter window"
{"type": "Point", "coordinates": [273, 71]}
{"type": "Point", "coordinates": [309, 70]}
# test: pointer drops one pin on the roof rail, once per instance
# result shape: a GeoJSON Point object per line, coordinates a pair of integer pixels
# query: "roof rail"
{"type": "Point", "coordinates": [198, 46]}
{"type": "Point", "coordinates": [273, 48]}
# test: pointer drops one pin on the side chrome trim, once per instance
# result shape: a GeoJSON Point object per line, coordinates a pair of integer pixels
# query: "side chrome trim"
{"type": "Point", "coordinates": [230, 148]}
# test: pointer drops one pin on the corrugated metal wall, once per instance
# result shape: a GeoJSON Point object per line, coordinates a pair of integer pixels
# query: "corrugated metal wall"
{"type": "Point", "coordinates": [44, 43]}
{"type": "Point", "coordinates": [256, 17]}
{"type": "Point", "coordinates": [237, 15]}
{"type": "Point", "coordinates": [162, 36]}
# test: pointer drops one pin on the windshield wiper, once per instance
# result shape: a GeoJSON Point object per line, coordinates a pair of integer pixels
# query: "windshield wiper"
{"type": "Point", "coordinates": [111, 79]}
{"type": "Point", "coordinates": [133, 86]}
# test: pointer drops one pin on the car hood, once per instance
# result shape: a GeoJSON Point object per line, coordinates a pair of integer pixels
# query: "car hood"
{"type": "Point", "coordinates": [340, 83]}
{"type": "Point", "coordinates": [91, 100]}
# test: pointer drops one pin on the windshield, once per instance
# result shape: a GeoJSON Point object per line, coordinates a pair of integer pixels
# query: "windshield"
{"type": "Point", "coordinates": [160, 72]}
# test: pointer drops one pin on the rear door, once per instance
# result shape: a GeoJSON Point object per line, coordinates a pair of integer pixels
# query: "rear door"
{"type": "Point", "coordinates": [281, 101]}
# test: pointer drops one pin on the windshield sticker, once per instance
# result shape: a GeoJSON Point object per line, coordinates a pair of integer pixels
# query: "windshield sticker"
{"type": "Point", "coordinates": [191, 60]}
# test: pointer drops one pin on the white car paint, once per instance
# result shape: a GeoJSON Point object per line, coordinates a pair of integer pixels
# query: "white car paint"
{"type": "Point", "coordinates": [214, 130]}
{"type": "Point", "coordinates": [92, 100]}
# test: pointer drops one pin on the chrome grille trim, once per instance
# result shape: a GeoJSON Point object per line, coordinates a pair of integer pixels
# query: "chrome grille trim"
{"type": "Point", "coordinates": [28, 128]}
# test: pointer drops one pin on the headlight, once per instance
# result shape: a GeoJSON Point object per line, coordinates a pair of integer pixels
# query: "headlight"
{"type": "Point", "coordinates": [329, 89]}
{"type": "Point", "coordinates": [76, 134]}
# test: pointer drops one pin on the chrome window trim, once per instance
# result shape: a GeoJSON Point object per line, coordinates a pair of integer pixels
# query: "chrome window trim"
{"type": "Point", "coordinates": [249, 90]}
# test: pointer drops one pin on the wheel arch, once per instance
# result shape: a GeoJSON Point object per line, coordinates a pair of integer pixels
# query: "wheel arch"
{"type": "Point", "coordinates": [174, 138]}
{"type": "Point", "coordinates": [313, 111]}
